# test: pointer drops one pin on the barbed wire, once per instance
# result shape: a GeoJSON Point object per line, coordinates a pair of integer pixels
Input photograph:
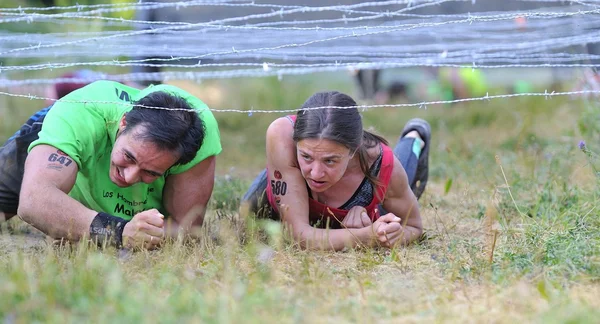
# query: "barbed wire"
{"type": "Point", "coordinates": [365, 35]}
{"type": "Point", "coordinates": [545, 62]}
{"type": "Point", "coordinates": [307, 43]}
{"type": "Point", "coordinates": [138, 4]}
{"type": "Point", "coordinates": [177, 27]}
{"type": "Point", "coordinates": [145, 5]}
{"type": "Point", "coordinates": [214, 26]}
{"type": "Point", "coordinates": [267, 71]}
{"type": "Point", "coordinates": [30, 17]}
{"type": "Point", "coordinates": [421, 105]}
{"type": "Point", "coordinates": [504, 53]}
{"type": "Point", "coordinates": [457, 52]}
{"type": "Point", "coordinates": [106, 9]}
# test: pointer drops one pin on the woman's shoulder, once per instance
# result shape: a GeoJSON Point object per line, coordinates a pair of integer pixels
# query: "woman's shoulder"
{"type": "Point", "coordinates": [280, 138]}
{"type": "Point", "coordinates": [280, 128]}
{"type": "Point", "coordinates": [280, 142]}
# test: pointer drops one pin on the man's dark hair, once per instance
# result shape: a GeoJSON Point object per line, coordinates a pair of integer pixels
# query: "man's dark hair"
{"type": "Point", "coordinates": [180, 130]}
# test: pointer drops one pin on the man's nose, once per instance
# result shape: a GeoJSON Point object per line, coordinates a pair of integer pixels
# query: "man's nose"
{"type": "Point", "coordinates": [132, 174]}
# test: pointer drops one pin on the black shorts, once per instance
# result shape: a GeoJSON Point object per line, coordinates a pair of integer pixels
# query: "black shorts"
{"type": "Point", "coordinates": [12, 161]}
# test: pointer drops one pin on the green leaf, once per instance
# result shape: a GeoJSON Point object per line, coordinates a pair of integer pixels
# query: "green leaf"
{"type": "Point", "coordinates": [543, 290]}
{"type": "Point", "coordinates": [448, 186]}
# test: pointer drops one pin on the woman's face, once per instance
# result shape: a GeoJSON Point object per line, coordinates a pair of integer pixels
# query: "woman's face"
{"type": "Point", "coordinates": [322, 162]}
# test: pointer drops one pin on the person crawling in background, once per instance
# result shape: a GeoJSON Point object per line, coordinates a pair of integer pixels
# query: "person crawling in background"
{"type": "Point", "coordinates": [111, 163]}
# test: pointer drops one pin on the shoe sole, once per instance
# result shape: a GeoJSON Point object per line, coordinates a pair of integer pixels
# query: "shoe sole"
{"type": "Point", "coordinates": [424, 130]}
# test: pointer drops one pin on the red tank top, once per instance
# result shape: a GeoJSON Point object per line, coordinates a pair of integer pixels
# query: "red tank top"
{"type": "Point", "coordinates": [321, 213]}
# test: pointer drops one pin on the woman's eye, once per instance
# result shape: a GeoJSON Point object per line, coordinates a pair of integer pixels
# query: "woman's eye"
{"type": "Point", "coordinates": [128, 158]}
{"type": "Point", "coordinates": [306, 157]}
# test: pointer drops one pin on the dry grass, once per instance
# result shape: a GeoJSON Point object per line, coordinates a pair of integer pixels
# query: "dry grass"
{"type": "Point", "coordinates": [544, 266]}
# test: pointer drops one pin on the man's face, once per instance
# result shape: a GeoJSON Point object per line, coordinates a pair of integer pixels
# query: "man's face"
{"type": "Point", "coordinates": [133, 160]}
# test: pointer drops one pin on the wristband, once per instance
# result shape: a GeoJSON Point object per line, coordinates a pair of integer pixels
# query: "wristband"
{"type": "Point", "coordinates": [107, 229]}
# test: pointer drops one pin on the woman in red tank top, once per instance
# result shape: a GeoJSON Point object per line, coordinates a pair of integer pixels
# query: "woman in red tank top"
{"type": "Point", "coordinates": [330, 180]}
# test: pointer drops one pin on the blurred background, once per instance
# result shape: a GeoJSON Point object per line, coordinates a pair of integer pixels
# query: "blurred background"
{"type": "Point", "coordinates": [396, 56]}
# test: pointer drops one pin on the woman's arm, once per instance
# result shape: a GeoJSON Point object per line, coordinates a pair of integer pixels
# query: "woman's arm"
{"type": "Point", "coordinates": [401, 202]}
{"type": "Point", "coordinates": [293, 200]}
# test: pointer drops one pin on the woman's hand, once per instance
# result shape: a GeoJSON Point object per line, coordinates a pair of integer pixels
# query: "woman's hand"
{"type": "Point", "coordinates": [357, 217]}
{"type": "Point", "coordinates": [388, 230]}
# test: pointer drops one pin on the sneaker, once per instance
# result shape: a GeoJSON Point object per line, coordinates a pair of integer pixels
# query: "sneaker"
{"type": "Point", "coordinates": [424, 130]}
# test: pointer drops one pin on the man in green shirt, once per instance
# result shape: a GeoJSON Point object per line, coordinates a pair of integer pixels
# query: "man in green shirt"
{"type": "Point", "coordinates": [110, 162]}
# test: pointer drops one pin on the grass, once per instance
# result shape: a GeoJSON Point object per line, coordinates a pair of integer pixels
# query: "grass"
{"type": "Point", "coordinates": [510, 212]}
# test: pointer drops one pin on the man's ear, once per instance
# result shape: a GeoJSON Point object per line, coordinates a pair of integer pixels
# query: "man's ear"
{"type": "Point", "coordinates": [122, 123]}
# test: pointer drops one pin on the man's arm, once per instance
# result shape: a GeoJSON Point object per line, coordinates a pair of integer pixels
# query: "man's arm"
{"type": "Point", "coordinates": [401, 202]}
{"type": "Point", "coordinates": [44, 203]}
{"type": "Point", "coordinates": [186, 195]}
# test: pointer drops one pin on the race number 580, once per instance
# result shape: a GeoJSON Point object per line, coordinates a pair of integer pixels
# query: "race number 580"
{"type": "Point", "coordinates": [60, 159]}
{"type": "Point", "coordinates": [279, 187]}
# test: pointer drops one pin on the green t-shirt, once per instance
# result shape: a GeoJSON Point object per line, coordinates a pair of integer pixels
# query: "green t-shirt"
{"type": "Point", "coordinates": [472, 79]}
{"type": "Point", "coordinates": [84, 125]}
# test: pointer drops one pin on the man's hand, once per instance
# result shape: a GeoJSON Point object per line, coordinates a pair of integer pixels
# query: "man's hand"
{"type": "Point", "coordinates": [357, 217]}
{"type": "Point", "coordinates": [145, 230]}
{"type": "Point", "coordinates": [388, 230]}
